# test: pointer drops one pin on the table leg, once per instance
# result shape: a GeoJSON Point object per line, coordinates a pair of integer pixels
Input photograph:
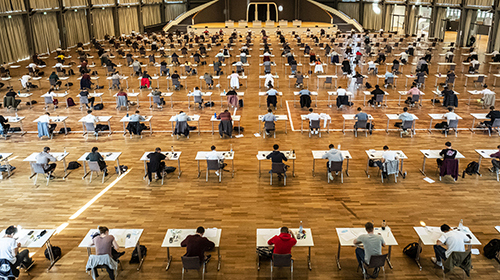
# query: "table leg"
{"type": "Point", "coordinates": [387, 128]}
{"type": "Point", "coordinates": [118, 165]}
{"type": "Point", "coordinates": [423, 167]}
{"type": "Point", "coordinates": [389, 257]}
{"type": "Point", "coordinates": [343, 128]}
{"type": "Point", "coordinates": [417, 257]}
{"type": "Point", "coordinates": [65, 128]}
{"type": "Point", "coordinates": [301, 126]}
{"type": "Point", "coordinates": [347, 168]}
{"type": "Point", "coordinates": [401, 169]}
{"type": "Point", "coordinates": [309, 258]}
{"type": "Point", "coordinates": [430, 127]}
{"type": "Point", "coordinates": [472, 128]}
{"type": "Point", "coordinates": [169, 258]}
{"type": "Point", "coordinates": [199, 131]}
{"type": "Point", "coordinates": [199, 172]}
{"type": "Point", "coordinates": [466, 78]}
{"type": "Point", "coordinates": [124, 129]}
{"type": "Point", "coordinates": [179, 166]}
{"type": "Point", "coordinates": [314, 164]}
{"type": "Point", "coordinates": [258, 262]}
{"type": "Point", "coordinates": [399, 102]}
{"type": "Point", "coordinates": [65, 169]}
{"type": "Point", "coordinates": [338, 258]}
{"type": "Point", "coordinates": [367, 166]}
{"type": "Point", "coordinates": [141, 257]}
{"type": "Point", "coordinates": [218, 258]}
{"type": "Point", "coordinates": [51, 255]}
{"type": "Point", "coordinates": [172, 128]}
{"type": "Point", "coordinates": [293, 170]}
{"type": "Point", "coordinates": [212, 128]}
{"type": "Point", "coordinates": [150, 128]}
{"type": "Point", "coordinates": [84, 170]}
{"type": "Point", "coordinates": [232, 169]}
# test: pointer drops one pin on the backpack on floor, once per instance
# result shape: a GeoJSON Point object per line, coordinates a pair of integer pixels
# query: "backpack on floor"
{"type": "Point", "coordinates": [70, 102]}
{"type": "Point", "coordinates": [135, 254]}
{"type": "Point", "coordinates": [411, 250]}
{"type": "Point", "coordinates": [73, 165]}
{"type": "Point", "coordinates": [64, 130]}
{"type": "Point", "coordinates": [471, 169]}
{"type": "Point", "coordinates": [491, 249]}
{"type": "Point", "coordinates": [56, 252]}
{"type": "Point", "coordinates": [123, 168]}
{"type": "Point", "coordinates": [170, 169]}
{"type": "Point", "coordinates": [99, 106]}
{"type": "Point", "coordinates": [240, 103]}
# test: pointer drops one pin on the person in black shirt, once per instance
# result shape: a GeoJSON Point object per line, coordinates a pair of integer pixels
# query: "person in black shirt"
{"type": "Point", "coordinates": [492, 115]}
{"type": "Point", "coordinates": [376, 92]}
{"type": "Point", "coordinates": [5, 125]}
{"type": "Point", "coordinates": [447, 153]}
{"type": "Point", "coordinates": [91, 100]}
{"type": "Point", "coordinates": [277, 157]}
{"type": "Point", "coordinates": [156, 163]}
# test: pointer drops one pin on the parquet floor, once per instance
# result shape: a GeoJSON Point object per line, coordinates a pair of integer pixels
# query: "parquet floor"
{"type": "Point", "coordinates": [246, 202]}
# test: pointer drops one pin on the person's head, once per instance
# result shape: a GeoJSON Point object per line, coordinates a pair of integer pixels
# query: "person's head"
{"type": "Point", "coordinates": [284, 230]}
{"type": "Point", "coordinates": [369, 227]}
{"type": "Point", "coordinates": [89, 111]}
{"type": "Point", "coordinates": [340, 87]}
{"type": "Point", "coordinates": [276, 147]}
{"type": "Point", "coordinates": [405, 109]}
{"type": "Point", "coordinates": [200, 230]}
{"type": "Point", "coordinates": [360, 109]}
{"type": "Point", "coordinates": [137, 111]}
{"type": "Point", "coordinates": [158, 150]}
{"type": "Point", "coordinates": [47, 113]}
{"type": "Point", "coordinates": [385, 148]}
{"type": "Point", "coordinates": [445, 88]}
{"type": "Point", "coordinates": [311, 110]}
{"type": "Point", "coordinates": [270, 86]}
{"type": "Point", "coordinates": [103, 230]}
{"type": "Point", "coordinates": [450, 109]}
{"type": "Point", "coordinates": [445, 228]}
{"type": "Point", "coordinates": [94, 149]}
{"type": "Point", "coordinates": [11, 230]}
{"type": "Point", "coordinates": [485, 86]}
{"type": "Point", "coordinates": [212, 148]}
{"type": "Point", "coordinates": [196, 88]}
{"type": "Point", "coordinates": [377, 86]}
{"type": "Point", "coordinates": [46, 149]}
{"type": "Point", "coordinates": [448, 144]}
{"type": "Point", "coordinates": [331, 146]}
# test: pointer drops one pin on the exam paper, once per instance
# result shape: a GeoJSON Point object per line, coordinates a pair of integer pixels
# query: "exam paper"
{"type": "Point", "coordinates": [429, 180]}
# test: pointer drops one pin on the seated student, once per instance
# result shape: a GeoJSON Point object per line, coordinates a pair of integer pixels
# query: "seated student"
{"type": "Point", "coordinates": [9, 250]}
{"type": "Point", "coordinates": [164, 68]}
{"type": "Point", "coordinates": [96, 156]}
{"type": "Point", "coordinates": [45, 128]}
{"type": "Point", "coordinates": [10, 101]}
{"type": "Point", "coordinates": [372, 246]}
{"type": "Point", "coordinates": [89, 118]}
{"type": "Point", "coordinates": [492, 115]}
{"type": "Point", "coordinates": [395, 66]}
{"type": "Point", "coordinates": [269, 81]}
{"type": "Point", "coordinates": [232, 98]}
{"type": "Point", "coordinates": [450, 116]}
{"type": "Point", "coordinates": [300, 79]}
{"type": "Point", "coordinates": [146, 80]}
{"type": "Point", "coordinates": [420, 65]}
{"type": "Point", "coordinates": [198, 97]}
{"type": "Point", "coordinates": [346, 67]}
{"type": "Point", "coordinates": [272, 97]}
{"type": "Point", "coordinates": [446, 153]}
{"type": "Point", "coordinates": [405, 116]}
{"type": "Point", "coordinates": [234, 80]}
{"type": "Point", "coordinates": [122, 99]}
{"type": "Point", "coordinates": [332, 155]}
{"type": "Point", "coordinates": [404, 57]}
{"type": "Point", "coordinates": [197, 245]}
{"type": "Point", "coordinates": [44, 158]}
{"type": "Point", "coordinates": [226, 124]}
{"type": "Point", "coordinates": [313, 117]}
{"type": "Point", "coordinates": [86, 82]}
{"type": "Point", "coordinates": [488, 96]}
{"type": "Point", "coordinates": [208, 80]}
{"type": "Point", "coordinates": [387, 76]}
{"type": "Point", "coordinates": [387, 155]}
{"type": "Point", "coordinates": [377, 91]}
{"type": "Point", "coordinates": [181, 126]}
{"type": "Point", "coordinates": [5, 125]}
{"type": "Point", "coordinates": [277, 157]}
{"type": "Point", "coordinates": [449, 98]}
{"type": "Point", "coordinates": [283, 242]}
{"type": "Point", "coordinates": [269, 117]}
{"type": "Point", "coordinates": [134, 126]}
{"type": "Point", "coordinates": [156, 163]}
{"type": "Point", "coordinates": [187, 67]}
{"type": "Point", "coordinates": [454, 241]}
{"type": "Point", "coordinates": [214, 155]}
{"type": "Point", "coordinates": [105, 244]}
{"type": "Point", "coordinates": [319, 66]}
{"type": "Point", "coordinates": [136, 68]}
{"type": "Point", "coordinates": [413, 91]}
{"type": "Point", "coordinates": [305, 98]}
{"type": "Point", "coordinates": [360, 116]}
{"type": "Point", "coordinates": [54, 81]}
{"type": "Point", "coordinates": [175, 80]}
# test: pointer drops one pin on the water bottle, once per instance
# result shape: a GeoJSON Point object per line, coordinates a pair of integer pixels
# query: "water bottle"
{"type": "Point", "coordinates": [384, 224]}
{"type": "Point", "coordinates": [231, 148]}
{"type": "Point", "coordinates": [172, 148]}
{"type": "Point", "coordinates": [224, 92]}
{"type": "Point", "coordinates": [461, 224]}
{"type": "Point", "coordinates": [17, 117]}
{"type": "Point", "coordinates": [215, 115]}
{"type": "Point", "coordinates": [64, 150]}
{"type": "Point", "coordinates": [127, 115]}
{"type": "Point", "coordinates": [301, 229]}
{"type": "Point", "coordinates": [19, 92]}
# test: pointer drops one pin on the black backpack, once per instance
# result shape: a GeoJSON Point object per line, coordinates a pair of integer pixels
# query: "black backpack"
{"type": "Point", "coordinates": [123, 168]}
{"type": "Point", "coordinates": [411, 250]}
{"type": "Point", "coordinates": [73, 165]}
{"type": "Point", "coordinates": [240, 103]}
{"type": "Point", "coordinates": [56, 252]}
{"type": "Point", "coordinates": [64, 130]}
{"type": "Point", "coordinates": [471, 169]}
{"type": "Point", "coordinates": [491, 249]}
{"type": "Point", "coordinates": [135, 255]}
{"type": "Point", "coordinates": [99, 106]}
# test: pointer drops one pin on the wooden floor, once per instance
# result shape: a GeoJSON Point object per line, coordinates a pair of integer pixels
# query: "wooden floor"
{"type": "Point", "coordinates": [246, 202]}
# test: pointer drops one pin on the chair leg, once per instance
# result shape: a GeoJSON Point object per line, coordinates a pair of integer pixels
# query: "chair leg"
{"type": "Point", "coordinates": [48, 179]}
{"type": "Point", "coordinates": [207, 176]}
{"type": "Point", "coordinates": [341, 177]}
{"type": "Point", "coordinates": [182, 273]}
{"type": "Point", "coordinates": [203, 272]}
{"type": "Point", "coordinates": [284, 179]}
{"type": "Point", "coordinates": [91, 172]}
{"type": "Point", "coordinates": [220, 175]}
{"type": "Point", "coordinates": [36, 179]}
{"type": "Point", "coordinates": [103, 175]}
{"type": "Point", "coordinates": [271, 178]}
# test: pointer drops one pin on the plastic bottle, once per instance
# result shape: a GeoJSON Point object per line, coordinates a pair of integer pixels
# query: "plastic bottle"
{"type": "Point", "coordinates": [215, 115]}
{"type": "Point", "coordinates": [301, 229]}
{"type": "Point", "coordinates": [64, 150]}
{"type": "Point", "coordinates": [172, 148]}
{"type": "Point", "coordinates": [461, 224]}
{"type": "Point", "coordinates": [19, 92]}
{"type": "Point", "coordinates": [231, 148]}
{"type": "Point", "coordinates": [384, 224]}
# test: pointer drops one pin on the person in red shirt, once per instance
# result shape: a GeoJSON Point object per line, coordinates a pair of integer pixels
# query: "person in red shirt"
{"type": "Point", "coordinates": [197, 245]}
{"type": "Point", "coordinates": [284, 242]}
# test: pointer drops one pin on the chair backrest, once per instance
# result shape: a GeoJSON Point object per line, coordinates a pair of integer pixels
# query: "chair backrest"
{"type": "Point", "coordinates": [496, 123]}
{"type": "Point", "coordinates": [328, 80]}
{"type": "Point", "coordinates": [415, 97]}
{"type": "Point", "coordinates": [94, 166]}
{"type": "Point", "coordinates": [377, 261]}
{"type": "Point", "coordinates": [361, 123]}
{"type": "Point", "coordinates": [38, 168]}
{"type": "Point", "coordinates": [90, 126]}
{"type": "Point", "coordinates": [452, 67]}
{"type": "Point", "coordinates": [476, 67]}
{"type": "Point", "coordinates": [269, 125]}
{"type": "Point", "coordinates": [407, 124]}
{"type": "Point", "coordinates": [453, 124]}
{"type": "Point", "coordinates": [450, 80]}
{"type": "Point", "coordinates": [191, 262]}
{"type": "Point", "coordinates": [390, 80]}
{"type": "Point", "coordinates": [335, 166]}
{"type": "Point", "coordinates": [379, 98]}
{"type": "Point", "coordinates": [280, 260]}
{"type": "Point", "coordinates": [48, 100]}
{"type": "Point", "coordinates": [480, 79]}
{"type": "Point", "coordinates": [122, 101]}
{"type": "Point", "coordinates": [359, 80]}
{"type": "Point", "coordinates": [278, 167]}
{"type": "Point", "coordinates": [175, 81]}
{"type": "Point", "coordinates": [314, 124]}
{"type": "Point", "coordinates": [421, 79]}
{"type": "Point", "coordinates": [84, 100]}
{"type": "Point", "coordinates": [213, 164]}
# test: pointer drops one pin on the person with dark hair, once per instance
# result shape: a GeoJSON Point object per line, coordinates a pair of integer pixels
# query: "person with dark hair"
{"type": "Point", "coordinates": [105, 244]}
{"type": "Point", "coordinates": [387, 155]}
{"type": "Point", "coordinates": [197, 245]}
{"type": "Point", "coordinates": [312, 116]}
{"type": "Point", "coordinates": [332, 155]}
{"type": "Point", "coordinates": [214, 155]}
{"type": "Point", "coordinates": [372, 244]}
{"type": "Point", "coordinates": [492, 115]}
{"type": "Point", "coordinates": [446, 153]}
{"type": "Point", "coordinates": [277, 157]}
{"type": "Point", "coordinates": [495, 161]}
{"type": "Point", "coordinates": [271, 97]}
{"type": "Point", "coordinates": [377, 91]}
{"type": "Point", "coordinates": [97, 157]}
{"type": "Point", "coordinates": [454, 241]}
{"type": "Point", "coordinates": [283, 242]}
{"type": "Point", "coordinates": [156, 163]}
{"type": "Point", "coordinates": [405, 116]}
{"type": "Point", "coordinates": [44, 158]}
{"type": "Point", "coordinates": [9, 250]}
{"type": "Point", "coordinates": [269, 117]}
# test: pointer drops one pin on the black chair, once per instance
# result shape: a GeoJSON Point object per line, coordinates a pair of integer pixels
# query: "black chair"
{"type": "Point", "coordinates": [279, 260]}
{"type": "Point", "coordinates": [314, 124]}
{"type": "Point", "coordinates": [376, 262]}
{"type": "Point", "coordinates": [360, 124]}
{"type": "Point", "coordinates": [495, 124]}
{"type": "Point", "coordinates": [278, 168]}
{"type": "Point", "coordinates": [193, 263]}
{"type": "Point", "coordinates": [335, 166]}
{"type": "Point", "coordinates": [214, 164]}
{"type": "Point", "coordinates": [269, 125]}
{"type": "Point", "coordinates": [453, 124]}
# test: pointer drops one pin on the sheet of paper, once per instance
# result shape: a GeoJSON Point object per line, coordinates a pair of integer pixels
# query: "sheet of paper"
{"type": "Point", "coordinates": [130, 242]}
{"type": "Point", "coordinates": [256, 134]}
{"type": "Point", "coordinates": [498, 228]}
{"type": "Point", "coordinates": [347, 235]}
{"type": "Point", "coordinates": [429, 180]}
{"type": "Point", "coordinates": [475, 251]}
{"type": "Point", "coordinates": [210, 232]}
{"type": "Point", "coordinates": [239, 136]}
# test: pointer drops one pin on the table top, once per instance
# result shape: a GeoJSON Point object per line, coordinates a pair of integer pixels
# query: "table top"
{"type": "Point", "coordinates": [126, 119]}
{"type": "Point", "coordinates": [93, 94]}
{"type": "Point", "coordinates": [106, 155]}
{"type": "Point", "coordinates": [169, 155]}
{"type": "Point", "coordinates": [131, 94]}
{"type": "Point", "coordinates": [318, 154]}
{"type": "Point", "coordinates": [475, 75]}
{"type": "Point", "coordinates": [439, 93]}
{"type": "Point", "coordinates": [485, 153]}
{"type": "Point", "coordinates": [194, 118]}
{"type": "Point", "coordinates": [429, 235]}
{"type": "Point", "coordinates": [54, 119]}
{"type": "Point", "coordinates": [178, 235]}
{"type": "Point", "coordinates": [479, 116]}
{"type": "Point", "coordinates": [213, 77]}
{"type": "Point", "coordinates": [335, 93]}
{"type": "Point", "coordinates": [370, 93]}
{"type": "Point", "coordinates": [322, 116]}
{"type": "Point", "coordinates": [239, 93]}
{"type": "Point", "coordinates": [32, 241]}
{"type": "Point", "coordinates": [235, 118]}
{"type": "Point", "coordinates": [440, 116]}
{"type": "Point", "coordinates": [167, 94]}
{"type": "Point", "coordinates": [347, 235]}
{"type": "Point", "coordinates": [327, 76]}
{"type": "Point", "coordinates": [376, 154]}
{"type": "Point", "coordinates": [126, 238]}
{"type": "Point", "coordinates": [202, 155]}
{"type": "Point", "coordinates": [278, 117]}
{"type": "Point", "coordinates": [15, 119]}
{"type": "Point", "coordinates": [403, 92]}
{"type": "Point", "coordinates": [311, 92]}
{"type": "Point", "coordinates": [498, 228]}
{"type": "Point", "coordinates": [58, 156]}
{"type": "Point", "coordinates": [265, 76]}
{"type": "Point", "coordinates": [5, 156]}
{"type": "Point", "coordinates": [264, 234]}
{"type": "Point", "coordinates": [261, 155]}
{"type": "Point", "coordinates": [351, 116]}
{"type": "Point", "coordinates": [262, 93]}
{"type": "Point", "coordinates": [396, 116]}
{"type": "Point", "coordinates": [99, 119]}
{"type": "Point", "coordinates": [435, 154]}
{"type": "Point", "coordinates": [57, 94]}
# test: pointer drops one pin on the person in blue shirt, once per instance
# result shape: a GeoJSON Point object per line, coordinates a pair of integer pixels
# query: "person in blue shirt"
{"type": "Point", "coordinates": [271, 97]}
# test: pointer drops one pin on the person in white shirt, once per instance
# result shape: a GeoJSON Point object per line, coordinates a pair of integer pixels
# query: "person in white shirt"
{"type": "Point", "coordinates": [89, 118]}
{"type": "Point", "coordinates": [488, 96]}
{"type": "Point", "coordinates": [33, 68]}
{"type": "Point", "coordinates": [447, 55]}
{"type": "Point", "coordinates": [450, 115]}
{"type": "Point", "coordinates": [9, 250]}
{"type": "Point", "coordinates": [454, 241]}
{"type": "Point", "coordinates": [269, 81]}
{"type": "Point", "coordinates": [313, 117]}
{"type": "Point", "coordinates": [404, 57]}
{"type": "Point", "coordinates": [220, 56]}
{"type": "Point", "coordinates": [25, 80]}
{"type": "Point", "coordinates": [387, 155]}
{"type": "Point", "coordinates": [341, 91]}
{"type": "Point", "coordinates": [234, 80]}
{"type": "Point", "coordinates": [473, 64]}
{"type": "Point", "coordinates": [197, 96]}
{"type": "Point", "coordinates": [372, 67]}
{"type": "Point", "coordinates": [214, 155]}
{"type": "Point", "coordinates": [59, 67]}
